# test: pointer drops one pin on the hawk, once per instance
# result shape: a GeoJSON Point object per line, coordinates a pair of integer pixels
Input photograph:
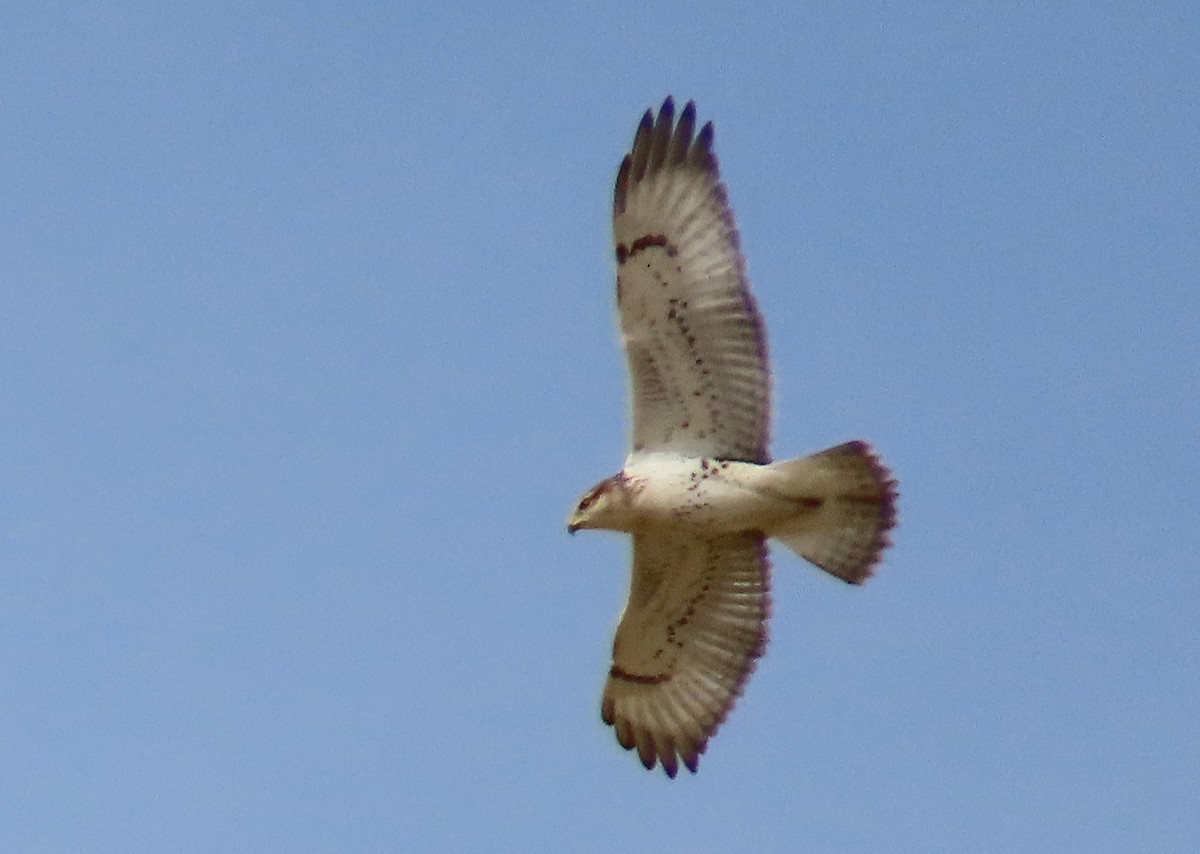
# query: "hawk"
{"type": "Point", "coordinates": [698, 492]}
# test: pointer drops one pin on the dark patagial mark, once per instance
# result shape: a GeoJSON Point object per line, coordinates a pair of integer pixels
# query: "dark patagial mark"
{"type": "Point", "coordinates": [625, 676]}
{"type": "Point", "coordinates": [646, 241]}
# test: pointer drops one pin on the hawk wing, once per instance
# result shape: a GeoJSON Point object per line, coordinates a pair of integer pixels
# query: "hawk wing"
{"type": "Point", "coordinates": [692, 333]}
{"type": "Point", "coordinates": [687, 642]}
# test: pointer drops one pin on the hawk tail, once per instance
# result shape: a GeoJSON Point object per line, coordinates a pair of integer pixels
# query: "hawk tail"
{"type": "Point", "coordinates": [846, 503]}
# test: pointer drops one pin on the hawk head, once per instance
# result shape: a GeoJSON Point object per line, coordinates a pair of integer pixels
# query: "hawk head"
{"type": "Point", "coordinates": [606, 505]}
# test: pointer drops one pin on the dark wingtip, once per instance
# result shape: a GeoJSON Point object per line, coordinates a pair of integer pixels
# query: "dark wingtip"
{"type": "Point", "coordinates": [701, 156]}
{"type": "Point", "coordinates": [621, 193]}
{"type": "Point", "coordinates": [662, 140]}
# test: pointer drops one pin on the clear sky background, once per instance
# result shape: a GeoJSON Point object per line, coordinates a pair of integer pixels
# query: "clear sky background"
{"type": "Point", "coordinates": [308, 348]}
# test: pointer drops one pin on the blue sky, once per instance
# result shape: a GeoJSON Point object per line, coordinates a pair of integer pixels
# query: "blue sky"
{"type": "Point", "coordinates": [308, 349]}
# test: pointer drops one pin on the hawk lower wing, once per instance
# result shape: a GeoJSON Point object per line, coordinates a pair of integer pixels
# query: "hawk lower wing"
{"type": "Point", "coordinates": [687, 642]}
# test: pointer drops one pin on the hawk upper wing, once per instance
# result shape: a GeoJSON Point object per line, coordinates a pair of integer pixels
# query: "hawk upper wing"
{"type": "Point", "coordinates": [687, 642]}
{"type": "Point", "coordinates": [692, 333]}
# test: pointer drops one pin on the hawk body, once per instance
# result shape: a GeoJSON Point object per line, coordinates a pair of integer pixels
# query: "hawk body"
{"type": "Point", "coordinates": [698, 492]}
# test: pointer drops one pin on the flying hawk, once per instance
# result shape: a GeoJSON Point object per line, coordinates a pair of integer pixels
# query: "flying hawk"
{"type": "Point", "coordinates": [699, 492]}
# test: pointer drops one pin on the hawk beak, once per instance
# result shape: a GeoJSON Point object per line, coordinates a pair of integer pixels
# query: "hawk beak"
{"type": "Point", "coordinates": [572, 528]}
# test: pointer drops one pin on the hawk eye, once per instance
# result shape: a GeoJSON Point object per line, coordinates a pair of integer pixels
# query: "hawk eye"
{"type": "Point", "coordinates": [590, 499]}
